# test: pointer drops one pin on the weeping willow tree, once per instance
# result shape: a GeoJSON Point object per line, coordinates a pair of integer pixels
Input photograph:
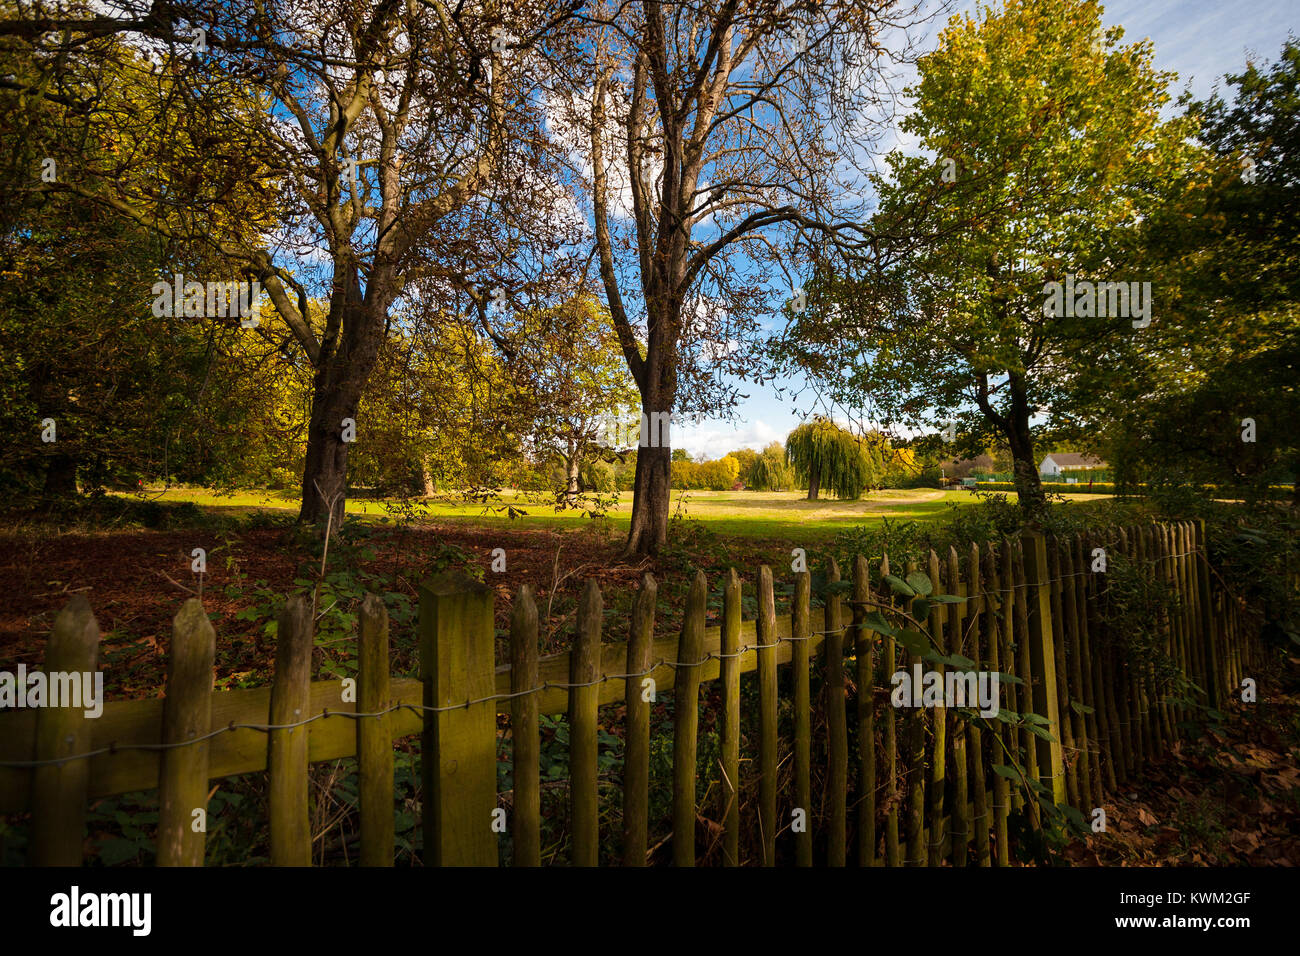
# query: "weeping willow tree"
{"type": "Point", "coordinates": [825, 455]}
{"type": "Point", "coordinates": [771, 471]}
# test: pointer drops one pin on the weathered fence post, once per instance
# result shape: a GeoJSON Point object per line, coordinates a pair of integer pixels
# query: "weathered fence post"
{"type": "Point", "coordinates": [636, 763]}
{"type": "Point", "coordinates": [1042, 658]}
{"type": "Point", "coordinates": [187, 716]}
{"type": "Point", "coordinates": [729, 672]}
{"type": "Point", "coordinates": [287, 748]}
{"type": "Point", "coordinates": [767, 714]}
{"type": "Point", "coordinates": [457, 664]}
{"type": "Point", "coordinates": [864, 640]}
{"type": "Point", "coordinates": [584, 748]}
{"type": "Point", "coordinates": [686, 721]}
{"type": "Point", "coordinates": [374, 737]}
{"type": "Point", "coordinates": [59, 789]}
{"type": "Point", "coordinates": [939, 755]}
{"type": "Point", "coordinates": [526, 747]}
{"type": "Point", "coordinates": [1209, 621]}
{"type": "Point", "coordinates": [892, 856]}
{"type": "Point", "coordinates": [837, 739]}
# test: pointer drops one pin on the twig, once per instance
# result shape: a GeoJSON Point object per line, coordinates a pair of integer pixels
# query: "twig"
{"type": "Point", "coordinates": [174, 581]}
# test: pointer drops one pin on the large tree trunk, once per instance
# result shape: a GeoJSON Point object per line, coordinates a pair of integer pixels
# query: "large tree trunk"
{"type": "Point", "coordinates": [814, 484]}
{"type": "Point", "coordinates": [336, 394]}
{"type": "Point", "coordinates": [61, 476]}
{"type": "Point", "coordinates": [572, 487]}
{"type": "Point", "coordinates": [651, 499]}
{"type": "Point", "coordinates": [324, 477]}
{"type": "Point", "coordinates": [1029, 487]}
{"type": "Point", "coordinates": [652, 488]}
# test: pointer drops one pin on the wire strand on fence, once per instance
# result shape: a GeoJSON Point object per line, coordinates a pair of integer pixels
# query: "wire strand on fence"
{"type": "Point", "coordinates": [114, 747]}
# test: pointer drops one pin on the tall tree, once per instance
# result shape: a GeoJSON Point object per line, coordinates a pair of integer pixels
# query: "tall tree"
{"type": "Point", "coordinates": [401, 141]}
{"type": "Point", "coordinates": [1047, 153]}
{"type": "Point", "coordinates": [572, 377]}
{"type": "Point", "coordinates": [711, 139]}
{"type": "Point", "coordinates": [827, 456]}
{"type": "Point", "coordinates": [1214, 397]}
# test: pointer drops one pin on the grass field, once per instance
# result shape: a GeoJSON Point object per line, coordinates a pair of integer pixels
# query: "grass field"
{"type": "Point", "coordinates": [761, 514]}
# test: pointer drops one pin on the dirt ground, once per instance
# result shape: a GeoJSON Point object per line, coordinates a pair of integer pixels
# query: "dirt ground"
{"type": "Point", "coordinates": [136, 581]}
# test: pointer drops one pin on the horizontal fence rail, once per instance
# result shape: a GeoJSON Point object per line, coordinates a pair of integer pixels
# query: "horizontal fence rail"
{"type": "Point", "coordinates": [1080, 713]}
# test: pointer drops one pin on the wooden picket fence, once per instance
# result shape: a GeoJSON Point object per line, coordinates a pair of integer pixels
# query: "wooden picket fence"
{"type": "Point", "coordinates": [921, 788]}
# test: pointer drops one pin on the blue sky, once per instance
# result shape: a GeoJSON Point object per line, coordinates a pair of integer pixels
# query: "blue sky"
{"type": "Point", "coordinates": [1200, 40]}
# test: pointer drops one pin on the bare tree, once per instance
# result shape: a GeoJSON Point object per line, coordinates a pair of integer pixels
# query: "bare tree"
{"type": "Point", "coordinates": [721, 146]}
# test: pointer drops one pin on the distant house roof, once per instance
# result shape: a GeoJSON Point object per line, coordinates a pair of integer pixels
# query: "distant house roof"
{"type": "Point", "coordinates": [1068, 460]}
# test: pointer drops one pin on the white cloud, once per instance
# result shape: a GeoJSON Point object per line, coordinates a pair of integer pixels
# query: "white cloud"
{"type": "Point", "coordinates": [710, 440]}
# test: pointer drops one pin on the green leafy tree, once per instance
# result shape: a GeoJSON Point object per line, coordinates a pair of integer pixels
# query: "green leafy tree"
{"type": "Point", "coordinates": [570, 374]}
{"type": "Point", "coordinates": [824, 455]}
{"type": "Point", "coordinates": [1223, 367]}
{"type": "Point", "coordinates": [1047, 153]}
{"type": "Point", "coordinates": [771, 471]}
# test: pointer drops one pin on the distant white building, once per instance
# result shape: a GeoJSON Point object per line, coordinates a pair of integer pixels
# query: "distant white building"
{"type": "Point", "coordinates": [1056, 466]}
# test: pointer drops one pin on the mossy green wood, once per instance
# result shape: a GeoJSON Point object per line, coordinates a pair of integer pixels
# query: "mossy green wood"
{"type": "Point", "coordinates": [767, 716]}
{"type": "Point", "coordinates": [375, 736]}
{"type": "Point", "coordinates": [800, 675]}
{"type": "Point", "coordinates": [287, 747]}
{"type": "Point", "coordinates": [939, 752]}
{"type": "Point", "coordinates": [139, 722]}
{"type": "Point", "coordinates": [187, 717]}
{"type": "Point", "coordinates": [1175, 548]}
{"type": "Point", "coordinates": [584, 704]}
{"type": "Point", "coordinates": [1186, 646]}
{"type": "Point", "coordinates": [864, 650]}
{"type": "Point", "coordinates": [960, 825]}
{"type": "Point", "coordinates": [1155, 558]}
{"type": "Point", "coordinates": [1164, 545]}
{"type": "Point", "coordinates": [1209, 622]}
{"type": "Point", "coordinates": [526, 823]}
{"type": "Point", "coordinates": [1168, 542]}
{"type": "Point", "coordinates": [1094, 682]}
{"type": "Point", "coordinates": [636, 760]}
{"type": "Point", "coordinates": [1072, 720]}
{"type": "Point", "coordinates": [1153, 745]}
{"type": "Point", "coordinates": [1089, 667]}
{"type": "Point", "coordinates": [58, 791]}
{"type": "Point", "coordinates": [1079, 669]}
{"type": "Point", "coordinates": [916, 855]}
{"type": "Point", "coordinates": [1105, 678]}
{"type": "Point", "coordinates": [1135, 678]}
{"type": "Point", "coordinates": [1200, 623]}
{"type": "Point", "coordinates": [975, 609]}
{"type": "Point", "coordinates": [892, 791]}
{"type": "Point", "coordinates": [1111, 681]}
{"type": "Point", "coordinates": [729, 793]}
{"type": "Point", "coordinates": [1193, 647]}
{"type": "Point", "coordinates": [457, 650]}
{"type": "Point", "coordinates": [1042, 658]}
{"type": "Point", "coordinates": [837, 744]}
{"type": "Point", "coordinates": [686, 721]}
{"type": "Point", "coordinates": [1021, 593]}
{"type": "Point", "coordinates": [995, 604]}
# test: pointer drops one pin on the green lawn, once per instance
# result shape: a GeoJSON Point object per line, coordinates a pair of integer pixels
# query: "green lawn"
{"type": "Point", "coordinates": [762, 514]}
